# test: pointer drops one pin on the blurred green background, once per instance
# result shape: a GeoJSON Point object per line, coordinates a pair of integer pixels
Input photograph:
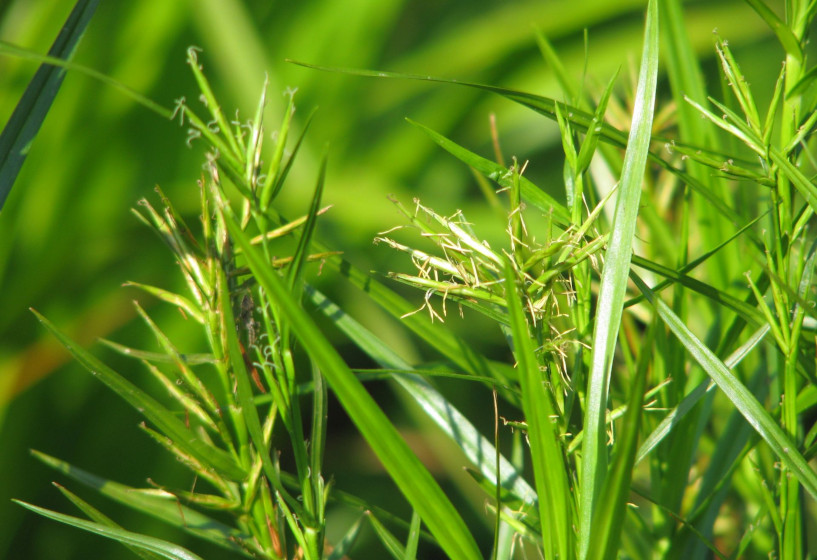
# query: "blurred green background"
{"type": "Point", "coordinates": [68, 240]}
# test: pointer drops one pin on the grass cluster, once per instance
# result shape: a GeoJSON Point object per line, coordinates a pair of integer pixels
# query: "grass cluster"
{"type": "Point", "coordinates": [654, 382]}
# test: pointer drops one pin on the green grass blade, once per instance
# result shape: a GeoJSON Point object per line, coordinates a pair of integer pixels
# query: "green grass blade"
{"type": "Point", "coordinates": [99, 517]}
{"type": "Point", "coordinates": [157, 357]}
{"type": "Point", "coordinates": [550, 472]}
{"type": "Point", "coordinates": [171, 426]}
{"type": "Point", "coordinates": [608, 519]}
{"type": "Point", "coordinates": [735, 391]}
{"type": "Point", "coordinates": [501, 175]}
{"type": "Point", "coordinates": [28, 116]}
{"type": "Point", "coordinates": [167, 510]}
{"type": "Point", "coordinates": [556, 66]}
{"type": "Point", "coordinates": [162, 548]}
{"type": "Point", "coordinates": [275, 174]}
{"type": "Point", "coordinates": [387, 539]}
{"type": "Point", "coordinates": [210, 101]}
{"type": "Point", "coordinates": [614, 282]}
{"type": "Point", "coordinates": [302, 251]}
{"type": "Point", "coordinates": [691, 265]}
{"type": "Point", "coordinates": [172, 298]}
{"type": "Point", "coordinates": [413, 539]}
{"type": "Point", "coordinates": [684, 73]}
{"type": "Point", "coordinates": [748, 312]}
{"type": "Point", "coordinates": [579, 119]}
{"type": "Point", "coordinates": [413, 479]}
{"type": "Point", "coordinates": [9, 49]}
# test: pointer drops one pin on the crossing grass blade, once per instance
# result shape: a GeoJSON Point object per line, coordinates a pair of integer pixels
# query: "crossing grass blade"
{"type": "Point", "coordinates": [164, 549]}
{"type": "Point", "coordinates": [798, 179]}
{"type": "Point", "coordinates": [413, 479]}
{"type": "Point", "coordinates": [784, 33]}
{"type": "Point", "coordinates": [613, 284]}
{"type": "Point", "coordinates": [688, 402]}
{"type": "Point", "coordinates": [8, 49]}
{"type": "Point", "coordinates": [738, 393]}
{"type": "Point", "coordinates": [579, 119]}
{"type": "Point", "coordinates": [501, 175]}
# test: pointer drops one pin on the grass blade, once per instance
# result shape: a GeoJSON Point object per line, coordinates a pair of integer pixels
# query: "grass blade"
{"type": "Point", "coordinates": [501, 175]}
{"type": "Point", "coordinates": [164, 549]}
{"type": "Point", "coordinates": [302, 252]}
{"type": "Point", "coordinates": [346, 543]}
{"type": "Point", "coordinates": [784, 34]}
{"type": "Point", "coordinates": [387, 539]}
{"type": "Point", "coordinates": [608, 520]}
{"type": "Point", "coordinates": [614, 282]}
{"type": "Point", "coordinates": [163, 508]}
{"type": "Point", "coordinates": [798, 179]}
{"type": "Point", "coordinates": [28, 116]}
{"type": "Point", "coordinates": [99, 517]}
{"type": "Point", "coordinates": [413, 537]}
{"type": "Point", "coordinates": [413, 479]}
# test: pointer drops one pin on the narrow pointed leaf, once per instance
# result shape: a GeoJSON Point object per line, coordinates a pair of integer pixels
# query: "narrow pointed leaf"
{"type": "Point", "coordinates": [579, 119]}
{"type": "Point", "coordinates": [784, 34]}
{"type": "Point", "coordinates": [798, 179]}
{"type": "Point", "coordinates": [387, 539]}
{"type": "Point", "coordinates": [608, 519]}
{"type": "Point", "coordinates": [688, 402]}
{"type": "Point", "coordinates": [302, 252]}
{"type": "Point", "coordinates": [166, 509]}
{"type": "Point", "coordinates": [614, 281]}
{"type": "Point", "coordinates": [346, 543]}
{"type": "Point", "coordinates": [28, 116]}
{"type": "Point", "coordinates": [500, 174]}
{"type": "Point", "coordinates": [9, 49]}
{"type": "Point", "coordinates": [99, 517]}
{"type": "Point", "coordinates": [162, 548]}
